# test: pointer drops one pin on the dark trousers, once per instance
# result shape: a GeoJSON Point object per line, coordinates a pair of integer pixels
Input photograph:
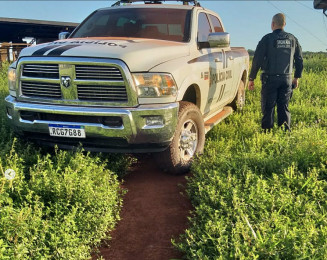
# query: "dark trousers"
{"type": "Point", "coordinates": [276, 90]}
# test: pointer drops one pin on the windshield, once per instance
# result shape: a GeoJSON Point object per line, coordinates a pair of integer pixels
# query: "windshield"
{"type": "Point", "coordinates": [153, 23]}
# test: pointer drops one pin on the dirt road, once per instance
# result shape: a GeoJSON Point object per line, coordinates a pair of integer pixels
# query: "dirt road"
{"type": "Point", "coordinates": [154, 211]}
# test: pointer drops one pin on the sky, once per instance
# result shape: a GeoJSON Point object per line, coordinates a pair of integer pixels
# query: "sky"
{"type": "Point", "coordinates": [246, 21]}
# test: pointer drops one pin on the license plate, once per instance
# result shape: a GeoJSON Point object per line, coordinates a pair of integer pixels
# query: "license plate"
{"type": "Point", "coordinates": [74, 131]}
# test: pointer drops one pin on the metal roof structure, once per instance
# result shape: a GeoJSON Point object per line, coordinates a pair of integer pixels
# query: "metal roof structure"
{"type": "Point", "coordinates": [14, 30]}
{"type": "Point", "coordinates": [320, 4]}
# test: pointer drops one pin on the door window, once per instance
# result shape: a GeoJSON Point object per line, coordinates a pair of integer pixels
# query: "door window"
{"type": "Point", "coordinates": [216, 23]}
{"type": "Point", "coordinates": [203, 28]}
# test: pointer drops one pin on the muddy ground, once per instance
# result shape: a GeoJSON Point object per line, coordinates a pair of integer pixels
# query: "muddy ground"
{"type": "Point", "coordinates": [155, 210]}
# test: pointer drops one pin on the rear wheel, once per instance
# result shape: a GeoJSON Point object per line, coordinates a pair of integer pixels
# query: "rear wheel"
{"type": "Point", "coordinates": [239, 101]}
{"type": "Point", "coordinates": [188, 141]}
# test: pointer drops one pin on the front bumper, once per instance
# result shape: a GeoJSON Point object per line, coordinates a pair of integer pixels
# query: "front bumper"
{"type": "Point", "coordinates": [133, 135]}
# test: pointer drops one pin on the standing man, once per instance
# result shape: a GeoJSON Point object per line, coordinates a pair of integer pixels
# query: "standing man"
{"type": "Point", "coordinates": [276, 54]}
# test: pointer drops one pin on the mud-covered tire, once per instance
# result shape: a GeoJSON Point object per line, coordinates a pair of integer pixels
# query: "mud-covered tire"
{"type": "Point", "coordinates": [239, 100]}
{"type": "Point", "coordinates": [188, 141]}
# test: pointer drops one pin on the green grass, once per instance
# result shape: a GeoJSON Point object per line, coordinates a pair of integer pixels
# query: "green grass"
{"type": "Point", "coordinates": [60, 204]}
{"type": "Point", "coordinates": [256, 195]}
{"type": "Point", "coordinates": [264, 196]}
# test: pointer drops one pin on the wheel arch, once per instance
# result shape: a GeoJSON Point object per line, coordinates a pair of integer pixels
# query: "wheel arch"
{"type": "Point", "coordinates": [193, 95]}
{"type": "Point", "coordinates": [244, 76]}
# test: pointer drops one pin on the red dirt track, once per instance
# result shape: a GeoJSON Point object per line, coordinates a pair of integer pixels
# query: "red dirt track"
{"type": "Point", "coordinates": [154, 211]}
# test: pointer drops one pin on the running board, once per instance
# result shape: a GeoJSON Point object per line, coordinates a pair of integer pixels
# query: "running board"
{"type": "Point", "coordinates": [217, 118]}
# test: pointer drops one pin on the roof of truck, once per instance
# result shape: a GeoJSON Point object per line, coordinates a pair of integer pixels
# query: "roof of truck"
{"type": "Point", "coordinates": [171, 6]}
{"type": "Point", "coordinates": [184, 2]}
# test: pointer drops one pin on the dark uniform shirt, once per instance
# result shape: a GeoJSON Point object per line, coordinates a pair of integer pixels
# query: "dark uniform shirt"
{"type": "Point", "coordinates": [276, 54]}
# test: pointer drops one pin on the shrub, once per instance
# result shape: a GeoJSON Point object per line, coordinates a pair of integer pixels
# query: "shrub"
{"type": "Point", "coordinates": [66, 207]}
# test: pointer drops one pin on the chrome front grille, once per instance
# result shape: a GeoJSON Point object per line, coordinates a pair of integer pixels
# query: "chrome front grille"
{"type": "Point", "coordinates": [75, 81]}
{"type": "Point", "coordinates": [50, 71]}
{"type": "Point", "coordinates": [102, 93]}
{"type": "Point", "coordinates": [90, 72]}
{"type": "Point", "coordinates": [42, 90]}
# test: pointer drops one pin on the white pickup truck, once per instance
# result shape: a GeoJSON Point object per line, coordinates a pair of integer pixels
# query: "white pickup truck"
{"type": "Point", "coordinates": [146, 77]}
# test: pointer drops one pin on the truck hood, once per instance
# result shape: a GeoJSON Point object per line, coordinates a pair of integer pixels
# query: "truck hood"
{"type": "Point", "coordinates": [138, 54]}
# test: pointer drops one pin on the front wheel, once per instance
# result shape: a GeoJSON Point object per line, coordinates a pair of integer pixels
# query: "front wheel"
{"type": "Point", "coordinates": [188, 140]}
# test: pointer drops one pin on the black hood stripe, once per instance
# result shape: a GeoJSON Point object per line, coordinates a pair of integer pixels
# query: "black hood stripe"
{"type": "Point", "coordinates": [61, 50]}
{"type": "Point", "coordinates": [43, 50]}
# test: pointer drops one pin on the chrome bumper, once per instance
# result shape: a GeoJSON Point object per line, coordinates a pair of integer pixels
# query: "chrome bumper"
{"type": "Point", "coordinates": [134, 134]}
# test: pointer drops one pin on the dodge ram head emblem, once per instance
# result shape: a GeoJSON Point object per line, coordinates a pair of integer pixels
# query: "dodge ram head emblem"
{"type": "Point", "coordinates": [65, 81]}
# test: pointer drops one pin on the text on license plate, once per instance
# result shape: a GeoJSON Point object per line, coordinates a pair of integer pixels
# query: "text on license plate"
{"type": "Point", "coordinates": [74, 131]}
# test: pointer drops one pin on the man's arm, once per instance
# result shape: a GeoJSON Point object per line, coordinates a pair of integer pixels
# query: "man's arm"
{"type": "Point", "coordinates": [298, 60]}
{"type": "Point", "coordinates": [298, 63]}
{"type": "Point", "coordinates": [258, 59]}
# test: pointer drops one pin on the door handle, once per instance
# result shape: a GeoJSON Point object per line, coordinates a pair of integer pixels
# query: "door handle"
{"type": "Point", "coordinates": [231, 57]}
{"type": "Point", "coordinates": [218, 60]}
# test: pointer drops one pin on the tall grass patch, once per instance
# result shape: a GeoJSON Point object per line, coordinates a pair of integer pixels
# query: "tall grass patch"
{"type": "Point", "coordinates": [60, 204]}
{"type": "Point", "coordinates": [263, 196]}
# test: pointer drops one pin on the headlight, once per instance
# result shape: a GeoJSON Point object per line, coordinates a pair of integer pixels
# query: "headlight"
{"type": "Point", "coordinates": [12, 81]}
{"type": "Point", "coordinates": [154, 85]}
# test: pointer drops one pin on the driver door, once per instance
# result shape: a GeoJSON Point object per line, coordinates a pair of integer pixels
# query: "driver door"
{"type": "Point", "coordinates": [215, 62]}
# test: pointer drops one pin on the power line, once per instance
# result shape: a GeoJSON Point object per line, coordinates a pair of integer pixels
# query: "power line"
{"type": "Point", "coordinates": [300, 3]}
{"type": "Point", "coordinates": [321, 41]}
{"type": "Point", "coordinates": [324, 20]}
{"type": "Point", "coordinates": [316, 11]}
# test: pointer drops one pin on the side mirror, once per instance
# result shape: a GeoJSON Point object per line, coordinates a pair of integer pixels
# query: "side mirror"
{"type": "Point", "coordinates": [219, 40]}
{"type": "Point", "coordinates": [63, 35]}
